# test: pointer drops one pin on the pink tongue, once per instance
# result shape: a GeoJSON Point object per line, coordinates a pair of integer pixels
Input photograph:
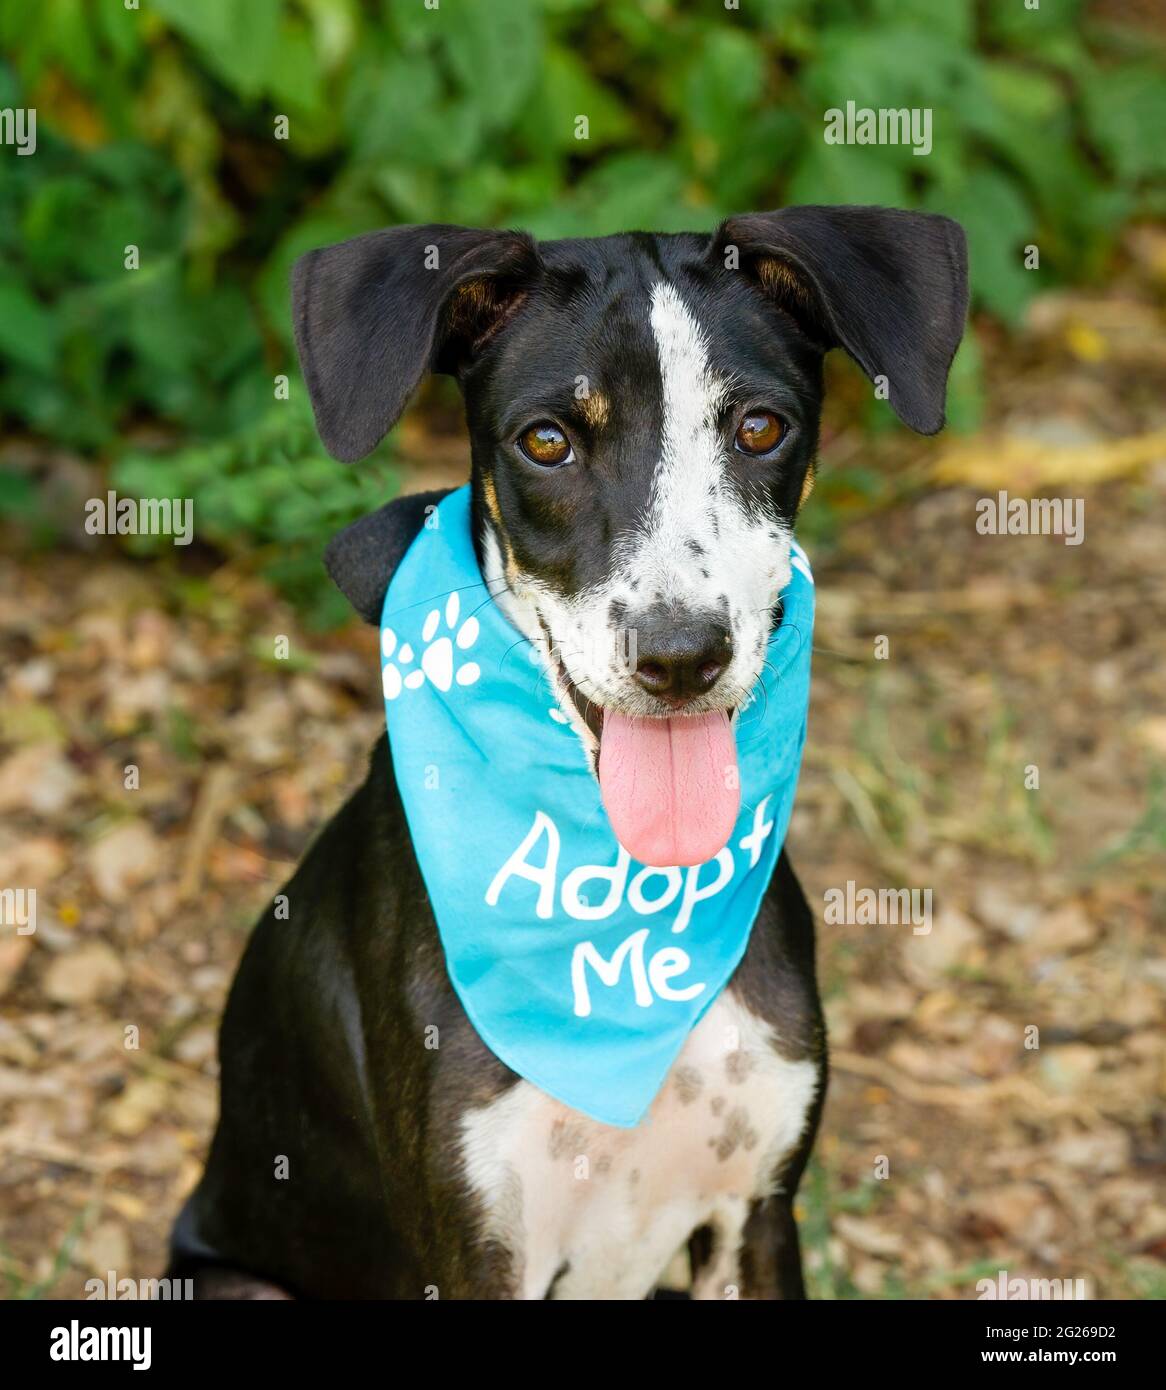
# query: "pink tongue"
{"type": "Point", "coordinates": [670, 785]}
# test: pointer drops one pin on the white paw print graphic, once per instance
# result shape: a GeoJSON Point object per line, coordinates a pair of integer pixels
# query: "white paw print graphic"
{"type": "Point", "coordinates": [437, 655]}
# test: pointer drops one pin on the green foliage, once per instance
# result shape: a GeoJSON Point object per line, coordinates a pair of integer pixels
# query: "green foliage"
{"type": "Point", "coordinates": [269, 485]}
{"type": "Point", "coordinates": [157, 128]}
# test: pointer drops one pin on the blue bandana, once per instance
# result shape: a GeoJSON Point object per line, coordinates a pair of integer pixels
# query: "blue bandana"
{"type": "Point", "coordinates": [582, 969]}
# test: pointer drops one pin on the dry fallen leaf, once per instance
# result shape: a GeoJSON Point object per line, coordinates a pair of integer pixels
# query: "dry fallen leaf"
{"type": "Point", "coordinates": [950, 943]}
{"type": "Point", "coordinates": [129, 855]}
{"type": "Point", "coordinates": [1020, 464]}
{"type": "Point", "coordinates": [1102, 1151]}
{"type": "Point", "coordinates": [40, 779]}
{"type": "Point", "coordinates": [868, 1236]}
{"type": "Point", "coordinates": [1018, 1209]}
{"type": "Point", "coordinates": [90, 972]}
{"type": "Point", "coordinates": [13, 953]}
{"type": "Point", "coordinates": [130, 1113]}
{"type": "Point", "coordinates": [1069, 1068]}
{"type": "Point", "coordinates": [107, 1247]}
{"type": "Point", "coordinates": [1066, 928]}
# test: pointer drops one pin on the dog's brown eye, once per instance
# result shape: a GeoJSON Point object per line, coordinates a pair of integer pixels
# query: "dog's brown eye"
{"type": "Point", "coordinates": [546, 444]}
{"type": "Point", "coordinates": [760, 432]}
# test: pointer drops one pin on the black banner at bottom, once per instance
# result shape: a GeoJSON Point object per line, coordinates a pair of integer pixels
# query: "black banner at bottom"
{"type": "Point", "coordinates": [160, 1338]}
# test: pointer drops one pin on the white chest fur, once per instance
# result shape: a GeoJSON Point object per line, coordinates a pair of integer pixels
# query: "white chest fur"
{"type": "Point", "coordinates": [605, 1209]}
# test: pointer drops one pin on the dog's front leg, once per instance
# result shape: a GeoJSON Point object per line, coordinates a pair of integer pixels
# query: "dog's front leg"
{"type": "Point", "coordinates": [770, 1258]}
{"type": "Point", "coordinates": [753, 1253]}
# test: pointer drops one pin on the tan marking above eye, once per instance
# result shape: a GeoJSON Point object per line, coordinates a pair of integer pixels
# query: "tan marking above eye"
{"type": "Point", "coordinates": [760, 432]}
{"type": "Point", "coordinates": [545, 443]}
{"type": "Point", "coordinates": [595, 409]}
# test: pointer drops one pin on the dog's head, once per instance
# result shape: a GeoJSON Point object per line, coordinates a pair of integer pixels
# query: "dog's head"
{"type": "Point", "coordinates": [643, 415]}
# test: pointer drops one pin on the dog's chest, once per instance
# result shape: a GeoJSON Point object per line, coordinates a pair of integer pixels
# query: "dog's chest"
{"type": "Point", "coordinates": [590, 1211]}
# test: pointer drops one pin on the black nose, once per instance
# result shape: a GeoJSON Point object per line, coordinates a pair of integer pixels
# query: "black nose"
{"type": "Point", "coordinates": [678, 661]}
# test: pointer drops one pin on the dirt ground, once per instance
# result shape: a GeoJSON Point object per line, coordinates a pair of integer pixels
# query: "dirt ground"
{"type": "Point", "coordinates": [952, 1147]}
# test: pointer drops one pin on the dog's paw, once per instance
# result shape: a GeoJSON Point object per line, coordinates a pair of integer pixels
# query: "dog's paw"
{"type": "Point", "coordinates": [402, 669]}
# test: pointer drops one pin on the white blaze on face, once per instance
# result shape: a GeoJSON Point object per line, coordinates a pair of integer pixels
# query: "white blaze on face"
{"type": "Point", "coordinates": [697, 547]}
{"type": "Point", "coordinates": [693, 499]}
{"type": "Point", "coordinates": [688, 480]}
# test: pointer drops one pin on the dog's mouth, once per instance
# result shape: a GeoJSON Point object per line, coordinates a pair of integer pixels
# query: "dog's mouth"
{"type": "Point", "coordinates": [669, 783]}
{"type": "Point", "coordinates": [588, 710]}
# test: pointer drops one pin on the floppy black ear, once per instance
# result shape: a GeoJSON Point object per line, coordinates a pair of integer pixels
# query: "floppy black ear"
{"type": "Point", "coordinates": [890, 287]}
{"type": "Point", "coordinates": [362, 558]}
{"type": "Point", "coordinates": [374, 314]}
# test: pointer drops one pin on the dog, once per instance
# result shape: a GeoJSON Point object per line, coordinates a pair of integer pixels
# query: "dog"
{"type": "Point", "coordinates": [643, 413]}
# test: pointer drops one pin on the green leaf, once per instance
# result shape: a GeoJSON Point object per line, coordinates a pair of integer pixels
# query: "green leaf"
{"type": "Point", "coordinates": [27, 329]}
{"type": "Point", "coordinates": [17, 494]}
{"type": "Point", "coordinates": [721, 82]}
{"type": "Point", "coordinates": [565, 91]}
{"type": "Point", "coordinates": [121, 30]}
{"type": "Point", "coordinates": [965, 387]}
{"type": "Point", "coordinates": [1019, 92]}
{"type": "Point", "coordinates": [494, 51]}
{"type": "Point", "coordinates": [954, 19]}
{"type": "Point", "coordinates": [386, 105]}
{"type": "Point", "coordinates": [629, 192]}
{"type": "Point", "coordinates": [847, 174]}
{"type": "Point", "coordinates": [237, 38]}
{"type": "Point", "coordinates": [295, 79]}
{"type": "Point", "coordinates": [1126, 110]}
{"type": "Point", "coordinates": [69, 39]}
{"type": "Point", "coordinates": [1017, 27]}
{"type": "Point", "coordinates": [892, 66]}
{"type": "Point", "coordinates": [754, 176]}
{"type": "Point", "coordinates": [999, 223]}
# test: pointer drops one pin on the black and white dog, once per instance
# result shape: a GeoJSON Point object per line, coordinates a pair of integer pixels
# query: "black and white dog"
{"type": "Point", "coordinates": [662, 497]}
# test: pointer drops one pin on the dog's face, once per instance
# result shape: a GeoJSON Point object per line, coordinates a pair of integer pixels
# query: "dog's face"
{"type": "Point", "coordinates": [643, 415]}
{"type": "Point", "coordinates": [642, 431]}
